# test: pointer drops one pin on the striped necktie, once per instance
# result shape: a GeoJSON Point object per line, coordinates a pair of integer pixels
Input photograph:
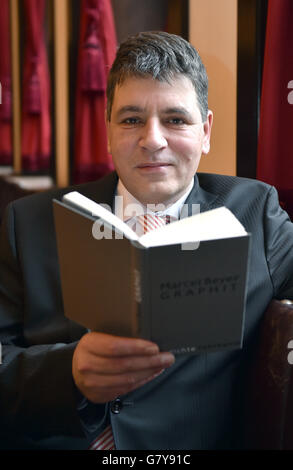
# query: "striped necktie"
{"type": "Point", "coordinates": [151, 221]}
{"type": "Point", "coordinates": [105, 441]}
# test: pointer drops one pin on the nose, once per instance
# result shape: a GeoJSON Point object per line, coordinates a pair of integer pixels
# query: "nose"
{"type": "Point", "coordinates": [152, 137]}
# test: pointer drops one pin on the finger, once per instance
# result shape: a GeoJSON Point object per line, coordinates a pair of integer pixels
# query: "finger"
{"type": "Point", "coordinates": [148, 379]}
{"type": "Point", "coordinates": [106, 394]}
{"type": "Point", "coordinates": [102, 344]}
{"type": "Point", "coordinates": [125, 364]}
{"type": "Point", "coordinates": [110, 387]}
{"type": "Point", "coordinates": [125, 380]}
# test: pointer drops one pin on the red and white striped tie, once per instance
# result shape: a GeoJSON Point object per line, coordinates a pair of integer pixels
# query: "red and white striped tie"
{"type": "Point", "coordinates": [151, 222]}
{"type": "Point", "coordinates": [105, 441]}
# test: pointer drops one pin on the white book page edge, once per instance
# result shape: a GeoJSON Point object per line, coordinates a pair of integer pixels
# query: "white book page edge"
{"type": "Point", "coordinates": [97, 210]}
{"type": "Point", "coordinates": [211, 225]}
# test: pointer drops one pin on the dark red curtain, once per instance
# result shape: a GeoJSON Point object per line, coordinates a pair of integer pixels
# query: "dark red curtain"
{"type": "Point", "coordinates": [36, 92]}
{"type": "Point", "coordinates": [5, 81]}
{"type": "Point", "coordinates": [96, 52]}
{"type": "Point", "coordinates": [275, 147]}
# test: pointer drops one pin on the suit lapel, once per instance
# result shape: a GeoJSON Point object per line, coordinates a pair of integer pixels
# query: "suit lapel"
{"type": "Point", "coordinates": [205, 199]}
{"type": "Point", "coordinates": [101, 191]}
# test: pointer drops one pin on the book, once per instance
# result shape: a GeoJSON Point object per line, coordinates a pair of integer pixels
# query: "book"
{"type": "Point", "coordinates": [182, 285]}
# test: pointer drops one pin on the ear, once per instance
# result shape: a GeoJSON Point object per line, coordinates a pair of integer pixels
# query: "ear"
{"type": "Point", "coordinates": [207, 127]}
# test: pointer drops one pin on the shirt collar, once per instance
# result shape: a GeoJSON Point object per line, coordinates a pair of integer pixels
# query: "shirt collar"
{"type": "Point", "coordinates": [127, 198]}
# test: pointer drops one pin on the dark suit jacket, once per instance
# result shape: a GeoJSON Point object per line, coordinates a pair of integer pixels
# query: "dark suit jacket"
{"type": "Point", "coordinates": [198, 403]}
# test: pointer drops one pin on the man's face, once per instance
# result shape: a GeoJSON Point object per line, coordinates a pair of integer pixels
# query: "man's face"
{"type": "Point", "coordinates": [156, 137]}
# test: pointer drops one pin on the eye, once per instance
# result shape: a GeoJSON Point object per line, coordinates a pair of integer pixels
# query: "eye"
{"type": "Point", "coordinates": [131, 121]}
{"type": "Point", "coordinates": [176, 121]}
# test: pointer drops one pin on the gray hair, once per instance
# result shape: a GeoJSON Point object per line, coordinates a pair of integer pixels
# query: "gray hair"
{"type": "Point", "coordinates": [163, 57]}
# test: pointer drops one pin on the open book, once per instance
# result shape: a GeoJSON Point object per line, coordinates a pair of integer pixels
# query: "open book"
{"type": "Point", "coordinates": [182, 285]}
{"type": "Point", "coordinates": [218, 223]}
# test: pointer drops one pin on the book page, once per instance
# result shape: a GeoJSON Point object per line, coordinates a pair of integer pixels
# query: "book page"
{"type": "Point", "coordinates": [214, 224]}
{"type": "Point", "coordinates": [211, 225]}
{"type": "Point", "coordinates": [97, 210]}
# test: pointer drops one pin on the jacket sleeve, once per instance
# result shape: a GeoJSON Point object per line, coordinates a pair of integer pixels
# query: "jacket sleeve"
{"type": "Point", "coordinates": [279, 246]}
{"type": "Point", "coordinates": [37, 393]}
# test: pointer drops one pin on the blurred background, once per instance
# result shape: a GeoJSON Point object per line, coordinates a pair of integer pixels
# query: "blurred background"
{"type": "Point", "coordinates": [54, 60]}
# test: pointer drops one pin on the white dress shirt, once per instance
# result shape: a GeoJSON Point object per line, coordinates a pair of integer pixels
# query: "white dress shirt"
{"type": "Point", "coordinates": [130, 207]}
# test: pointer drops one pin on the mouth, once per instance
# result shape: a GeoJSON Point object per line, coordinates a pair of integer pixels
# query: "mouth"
{"type": "Point", "coordinates": [154, 168]}
{"type": "Point", "coordinates": [153, 165]}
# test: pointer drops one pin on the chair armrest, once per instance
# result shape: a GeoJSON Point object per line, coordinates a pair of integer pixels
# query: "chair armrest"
{"type": "Point", "coordinates": [270, 403]}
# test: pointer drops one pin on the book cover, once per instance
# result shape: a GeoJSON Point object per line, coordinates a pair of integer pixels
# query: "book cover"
{"type": "Point", "coordinates": [185, 300]}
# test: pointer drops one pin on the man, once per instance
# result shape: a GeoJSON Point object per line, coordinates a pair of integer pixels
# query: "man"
{"type": "Point", "coordinates": [61, 386]}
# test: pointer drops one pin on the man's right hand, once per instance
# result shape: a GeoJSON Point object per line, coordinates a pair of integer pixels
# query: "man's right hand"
{"type": "Point", "coordinates": [106, 366]}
